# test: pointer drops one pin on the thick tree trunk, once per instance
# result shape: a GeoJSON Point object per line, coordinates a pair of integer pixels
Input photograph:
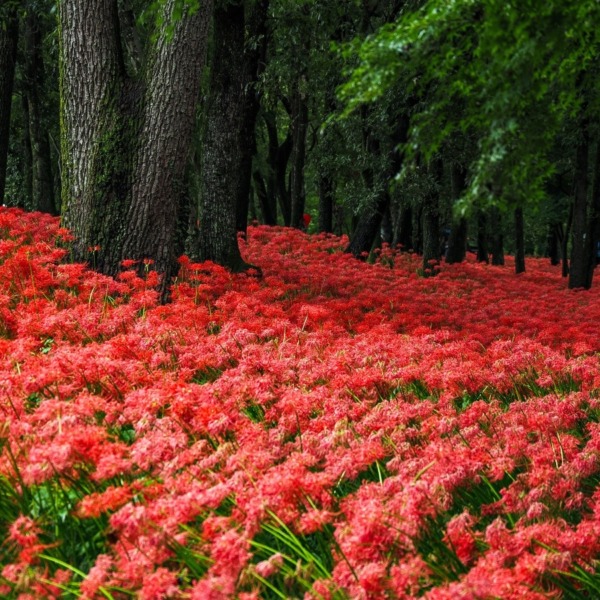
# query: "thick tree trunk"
{"type": "Point", "coordinates": [9, 31]}
{"type": "Point", "coordinates": [125, 149]}
{"type": "Point", "coordinates": [457, 240]}
{"type": "Point", "coordinates": [42, 184]}
{"type": "Point", "coordinates": [496, 239]}
{"type": "Point", "coordinates": [92, 145]}
{"type": "Point", "coordinates": [221, 152]}
{"type": "Point", "coordinates": [519, 241]}
{"type": "Point", "coordinates": [579, 275]}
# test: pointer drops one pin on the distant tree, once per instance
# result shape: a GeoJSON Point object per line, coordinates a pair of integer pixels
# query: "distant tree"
{"type": "Point", "coordinates": [9, 32]}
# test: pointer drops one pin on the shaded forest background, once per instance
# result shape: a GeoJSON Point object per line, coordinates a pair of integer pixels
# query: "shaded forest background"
{"type": "Point", "coordinates": [435, 126]}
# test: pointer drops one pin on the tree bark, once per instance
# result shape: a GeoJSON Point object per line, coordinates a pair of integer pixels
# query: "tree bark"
{"type": "Point", "coordinates": [125, 146]}
{"type": "Point", "coordinates": [519, 241]}
{"type": "Point", "coordinates": [221, 151]}
{"type": "Point", "coordinates": [9, 32]}
{"type": "Point", "coordinates": [579, 274]}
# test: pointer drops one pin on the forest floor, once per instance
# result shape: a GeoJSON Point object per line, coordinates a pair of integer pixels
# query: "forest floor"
{"type": "Point", "coordinates": [334, 429]}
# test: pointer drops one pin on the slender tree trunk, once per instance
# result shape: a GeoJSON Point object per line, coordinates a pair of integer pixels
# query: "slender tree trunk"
{"type": "Point", "coordinates": [254, 53]}
{"type": "Point", "coordinates": [482, 248]}
{"type": "Point", "coordinates": [403, 234]}
{"type": "Point", "coordinates": [267, 201]}
{"type": "Point", "coordinates": [565, 243]}
{"type": "Point", "coordinates": [457, 240]}
{"type": "Point", "coordinates": [496, 239]}
{"type": "Point", "coordinates": [221, 153]}
{"type": "Point", "coordinates": [554, 243]}
{"type": "Point", "coordinates": [579, 271]}
{"type": "Point", "coordinates": [27, 159]}
{"type": "Point", "coordinates": [369, 222]}
{"type": "Point", "coordinates": [519, 241]}
{"type": "Point", "coordinates": [594, 220]}
{"type": "Point", "coordinates": [9, 31]}
{"type": "Point", "coordinates": [326, 201]}
{"type": "Point", "coordinates": [431, 222]}
{"type": "Point", "coordinates": [42, 184]}
{"type": "Point", "coordinates": [298, 157]}
{"type": "Point", "coordinates": [278, 158]}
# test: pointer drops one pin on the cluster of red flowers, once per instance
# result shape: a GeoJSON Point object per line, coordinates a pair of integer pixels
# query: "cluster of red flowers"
{"type": "Point", "coordinates": [334, 429]}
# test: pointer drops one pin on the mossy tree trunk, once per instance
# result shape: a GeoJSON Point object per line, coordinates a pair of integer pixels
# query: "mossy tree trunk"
{"type": "Point", "coordinates": [9, 31]}
{"type": "Point", "coordinates": [222, 156]}
{"type": "Point", "coordinates": [125, 142]}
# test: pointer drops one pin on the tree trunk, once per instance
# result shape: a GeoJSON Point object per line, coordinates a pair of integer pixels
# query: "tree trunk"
{"type": "Point", "coordinates": [594, 219]}
{"type": "Point", "coordinates": [278, 158]}
{"type": "Point", "coordinates": [26, 201]}
{"type": "Point", "coordinates": [497, 239]}
{"type": "Point", "coordinates": [553, 245]}
{"type": "Point", "coordinates": [432, 253]}
{"type": "Point", "coordinates": [221, 151]}
{"type": "Point", "coordinates": [9, 31]}
{"type": "Point", "coordinates": [403, 234]}
{"type": "Point", "coordinates": [92, 143]}
{"type": "Point", "coordinates": [254, 53]}
{"type": "Point", "coordinates": [42, 184]}
{"type": "Point", "coordinates": [457, 240]}
{"type": "Point", "coordinates": [367, 228]}
{"type": "Point", "coordinates": [519, 241]}
{"type": "Point", "coordinates": [326, 201]}
{"type": "Point", "coordinates": [299, 128]}
{"type": "Point", "coordinates": [482, 249]}
{"type": "Point", "coordinates": [268, 207]}
{"type": "Point", "coordinates": [125, 149]}
{"type": "Point", "coordinates": [565, 243]}
{"type": "Point", "coordinates": [579, 275]}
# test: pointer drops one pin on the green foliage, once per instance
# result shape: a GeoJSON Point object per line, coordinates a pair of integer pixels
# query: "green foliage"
{"type": "Point", "coordinates": [509, 73]}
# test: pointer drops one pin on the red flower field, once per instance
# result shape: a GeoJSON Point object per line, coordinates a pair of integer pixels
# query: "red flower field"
{"type": "Point", "coordinates": [333, 429]}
